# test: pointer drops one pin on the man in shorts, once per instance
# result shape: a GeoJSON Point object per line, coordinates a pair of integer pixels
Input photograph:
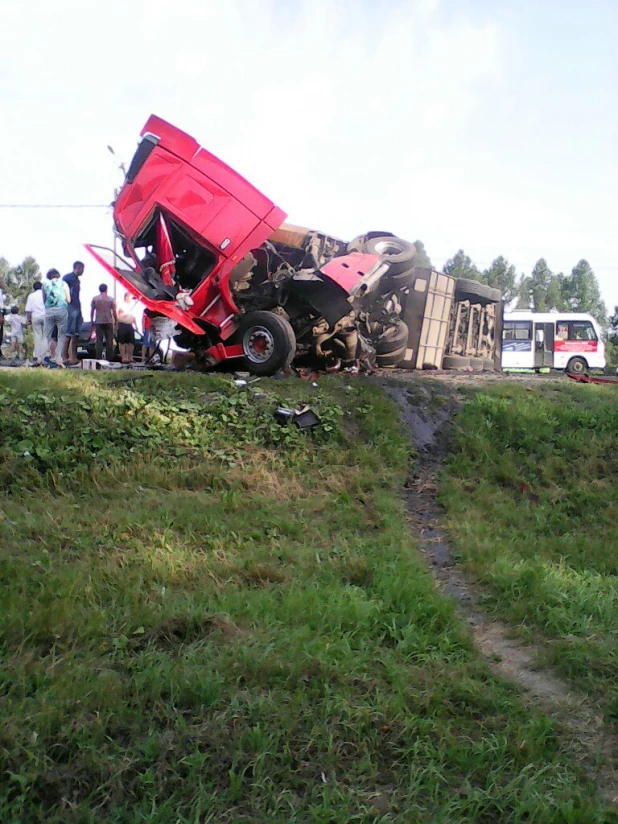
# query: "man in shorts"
{"type": "Point", "coordinates": [16, 323]}
{"type": "Point", "coordinates": [74, 323]}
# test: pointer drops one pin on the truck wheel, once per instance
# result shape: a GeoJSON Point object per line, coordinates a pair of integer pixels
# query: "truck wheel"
{"type": "Point", "coordinates": [268, 342]}
{"type": "Point", "coordinates": [356, 245]}
{"type": "Point", "coordinates": [391, 359]}
{"type": "Point", "coordinates": [396, 283]}
{"type": "Point", "coordinates": [398, 253]}
{"type": "Point", "coordinates": [394, 336]}
{"type": "Point", "coordinates": [475, 292]}
{"type": "Point", "coordinates": [577, 366]}
{"type": "Point", "coordinates": [455, 362]}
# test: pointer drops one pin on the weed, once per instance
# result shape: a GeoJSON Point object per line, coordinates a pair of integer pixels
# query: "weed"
{"type": "Point", "coordinates": [530, 492]}
{"type": "Point", "coordinates": [208, 617]}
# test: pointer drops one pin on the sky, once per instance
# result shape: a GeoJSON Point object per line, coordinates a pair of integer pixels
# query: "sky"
{"type": "Point", "coordinates": [487, 125]}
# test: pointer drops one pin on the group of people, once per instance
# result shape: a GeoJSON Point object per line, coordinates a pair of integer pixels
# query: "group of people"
{"type": "Point", "coordinates": [108, 319]}
{"type": "Point", "coordinates": [53, 310]}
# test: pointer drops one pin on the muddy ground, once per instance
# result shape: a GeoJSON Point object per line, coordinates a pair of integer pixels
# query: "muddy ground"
{"type": "Point", "coordinates": [428, 403]}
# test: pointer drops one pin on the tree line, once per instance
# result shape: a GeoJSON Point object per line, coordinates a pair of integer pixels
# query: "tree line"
{"type": "Point", "coordinates": [542, 290]}
{"type": "Point", "coordinates": [18, 280]}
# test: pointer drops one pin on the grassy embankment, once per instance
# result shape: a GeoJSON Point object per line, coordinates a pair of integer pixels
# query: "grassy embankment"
{"type": "Point", "coordinates": [532, 494]}
{"type": "Point", "coordinates": [209, 618]}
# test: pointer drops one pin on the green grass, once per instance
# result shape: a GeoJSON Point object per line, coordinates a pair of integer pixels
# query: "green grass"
{"type": "Point", "coordinates": [532, 498]}
{"type": "Point", "coordinates": [206, 617]}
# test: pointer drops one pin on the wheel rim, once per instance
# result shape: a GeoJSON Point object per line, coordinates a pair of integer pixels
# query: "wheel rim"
{"type": "Point", "coordinates": [258, 344]}
{"type": "Point", "coordinates": [389, 248]}
{"type": "Point", "coordinates": [577, 367]}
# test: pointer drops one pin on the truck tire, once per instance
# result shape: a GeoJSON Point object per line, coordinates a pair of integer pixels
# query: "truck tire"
{"type": "Point", "coordinates": [396, 283]}
{"type": "Point", "coordinates": [391, 359]}
{"type": "Point", "coordinates": [268, 343]}
{"type": "Point", "coordinates": [398, 253]}
{"type": "Point", "coordinates": [577, 366]}
{"type": "Point", "coordinates": [356, 245]}
{"type": "Point", "coordinates": [475, 292]}
{"type": "Point", "coordinates": [394, 336]}
{"type": "Point", "coordinates": [455, 362]}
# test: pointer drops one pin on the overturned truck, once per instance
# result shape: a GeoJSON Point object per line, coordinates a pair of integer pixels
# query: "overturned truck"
{"type": "Point", "coordinates": [209, 254]}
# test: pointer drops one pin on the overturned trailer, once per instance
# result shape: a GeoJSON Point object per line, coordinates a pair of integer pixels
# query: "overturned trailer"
{"type": "Point", "coordinates": [204, 249]}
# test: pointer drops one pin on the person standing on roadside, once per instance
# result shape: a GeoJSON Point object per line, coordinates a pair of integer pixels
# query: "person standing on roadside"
{"type": "Point", "coordinates": [57, 296]}
{"type": "Point", "coordinates": [103, 316]}
{"type": "Point", "coordinates": [74, 322]}
{"type": "Point", "coordinates": [35, 314]}
{"type": "Point", "coordinates": [2, 302]}
{"type": "Point", "coordinates": [16, 324]}
{"type": "Point", "coordinates": [126, 323]}
{"type": "Point", "coordinates": [148, 341]}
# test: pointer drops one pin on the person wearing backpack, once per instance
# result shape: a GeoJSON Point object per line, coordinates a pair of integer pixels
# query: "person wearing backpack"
{"type": "Point", "coordinates": [57, 297]}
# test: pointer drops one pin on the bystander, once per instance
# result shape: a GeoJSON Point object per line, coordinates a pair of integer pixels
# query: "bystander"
{"type": "Point", "coordinates": [104, 318]}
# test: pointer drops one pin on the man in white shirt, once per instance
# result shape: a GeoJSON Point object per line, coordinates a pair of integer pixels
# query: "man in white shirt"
{"type": "Point", "coordinates": [35, 313]}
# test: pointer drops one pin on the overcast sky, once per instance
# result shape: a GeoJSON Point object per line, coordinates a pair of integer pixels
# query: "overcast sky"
{"type": "Point", "coordinates": [490, 125]}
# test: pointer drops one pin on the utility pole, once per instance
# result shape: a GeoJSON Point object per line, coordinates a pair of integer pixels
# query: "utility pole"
{"type": "Point", "coordinates": [122, 168]}
{"type": "Point", "coordinates": [116, 191]}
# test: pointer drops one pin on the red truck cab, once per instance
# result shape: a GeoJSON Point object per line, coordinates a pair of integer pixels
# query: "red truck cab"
{"type": "Point", "coordinates": [192, 229]}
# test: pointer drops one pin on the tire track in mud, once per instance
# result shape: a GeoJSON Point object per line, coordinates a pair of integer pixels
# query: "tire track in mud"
{"type": "Point", "coordinates": [427, 410]}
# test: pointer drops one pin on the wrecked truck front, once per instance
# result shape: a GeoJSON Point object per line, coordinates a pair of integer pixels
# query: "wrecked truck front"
{"type": "Point", "coordinates": [209, 216]}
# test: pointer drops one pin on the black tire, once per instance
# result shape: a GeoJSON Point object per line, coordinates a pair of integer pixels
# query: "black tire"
{"type": "Point", "coordinates": [475, 292]}
{"type": "Point", "coordinates": [394, 337]}
{"type": "Point", "coordinates": [455, 362]}
{"type": "Point", "coordinates": [577, 366]}
{"type": "Point", "coordinates": [396, 283]}
{"type": "Point", "coordinates": [478, 364]}
{"type": "Point", "coordinates": [488, 365]}
{"type": "Point", "coordinates": [276, 339]}
{"type": "Point", "coordinates": [356, 245]}
{"type": "Point", "coordinates": [398, 253]}
{"type": "Point", "coordinates": [391, 359]}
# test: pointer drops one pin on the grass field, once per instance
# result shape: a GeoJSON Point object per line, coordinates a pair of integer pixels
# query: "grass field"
{"type": "Point", "coordinates": [206, 617]}
{"type": "Point", "coordinates": [532, 495]}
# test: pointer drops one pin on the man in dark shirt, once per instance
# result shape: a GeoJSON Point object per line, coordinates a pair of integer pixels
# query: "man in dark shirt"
{"type": "Point", "coordinates": [75, 320]}
{"type": "Point", "coordinates": [103, 316]}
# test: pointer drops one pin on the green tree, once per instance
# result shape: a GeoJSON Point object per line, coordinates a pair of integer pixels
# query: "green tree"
{"type": "Point", "coordinates": [19, 279]}
{"type": "Point", "coordinates": [422, 258]}
{"type": "Point", "coordinates": [461, 266]}
{"type": "Point", "coordinates": [502, 276]}
{"type": "Point", "coordinates": [581, 293]}
{"type": "Point", "coordinates": [542, 287]}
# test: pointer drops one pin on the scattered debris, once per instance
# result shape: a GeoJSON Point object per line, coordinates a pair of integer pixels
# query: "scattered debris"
{"type": "Point", "coordinates": [302, 418]}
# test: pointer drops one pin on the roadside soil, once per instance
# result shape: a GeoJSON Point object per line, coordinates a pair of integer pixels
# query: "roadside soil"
{"type": "Point", "coordinates": [428, 405]}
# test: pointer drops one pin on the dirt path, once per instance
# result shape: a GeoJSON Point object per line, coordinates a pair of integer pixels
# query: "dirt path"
{"type": "Point", "coordinates": [427, 408]}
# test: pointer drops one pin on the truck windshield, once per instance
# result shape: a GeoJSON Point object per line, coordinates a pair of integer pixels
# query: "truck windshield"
{"type": "Point", "coordinates": [144, 149]}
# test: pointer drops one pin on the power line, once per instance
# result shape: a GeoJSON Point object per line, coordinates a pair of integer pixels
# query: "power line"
{"type": "Point", "coordinates": [55, 205]}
